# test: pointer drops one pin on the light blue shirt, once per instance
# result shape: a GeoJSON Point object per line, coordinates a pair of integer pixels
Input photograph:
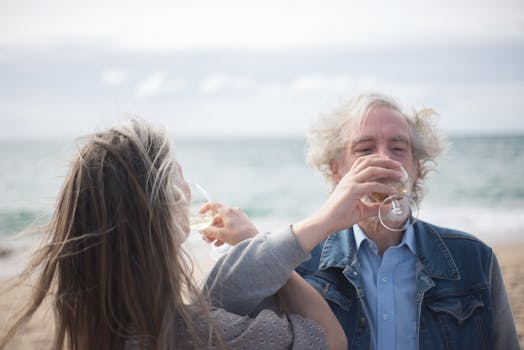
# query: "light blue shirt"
{"type": "Point", "coordinates": [389, 290]}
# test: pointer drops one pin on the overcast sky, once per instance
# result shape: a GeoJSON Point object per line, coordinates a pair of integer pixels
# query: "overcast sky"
{"type": "Point", "coordinates": [255, 68]}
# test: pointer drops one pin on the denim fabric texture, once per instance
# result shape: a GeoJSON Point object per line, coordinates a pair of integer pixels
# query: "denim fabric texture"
{"type": "Point", "coordinates": [458, 289]}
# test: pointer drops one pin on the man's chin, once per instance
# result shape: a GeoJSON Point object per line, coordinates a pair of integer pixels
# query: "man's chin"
{"type": "Point", "coordinates": [373, 224]}
{"type": "Point", "coordinates": [370, 223]}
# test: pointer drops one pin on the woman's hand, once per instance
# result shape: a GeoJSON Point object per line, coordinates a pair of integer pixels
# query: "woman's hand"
{"type": "Point", "coordinates": [230, 226]}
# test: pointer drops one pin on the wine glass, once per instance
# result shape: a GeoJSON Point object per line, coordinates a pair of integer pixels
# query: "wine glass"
{"type": "Point", "coordinates": [399, 211]}
{"type": "Point", "coordinates": [199, 221]}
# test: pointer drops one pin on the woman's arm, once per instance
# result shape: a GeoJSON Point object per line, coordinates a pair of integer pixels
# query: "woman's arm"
{"type": "Point", "coordinates": [341, 210]}
{"type": "Point", "coordinates": [298, 297]}
{"type": "Point", "coordinates": [254, 270]}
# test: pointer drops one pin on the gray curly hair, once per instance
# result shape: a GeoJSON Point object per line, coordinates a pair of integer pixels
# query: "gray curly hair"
{"type": "Point", "coordinates": [328, 138]}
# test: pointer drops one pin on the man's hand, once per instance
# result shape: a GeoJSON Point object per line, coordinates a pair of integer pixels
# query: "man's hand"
{"type": "Point", "coordinates": [230, 226]}
{"type": "Point", "coordinates": [344, 206]}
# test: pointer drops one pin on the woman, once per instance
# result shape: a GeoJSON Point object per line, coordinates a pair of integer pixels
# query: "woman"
{"type": "Point", "coordinates": [117, 273]}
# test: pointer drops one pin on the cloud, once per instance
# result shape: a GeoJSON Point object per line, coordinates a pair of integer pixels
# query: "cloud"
{"type": "Point", "coordinates": [316, 89]}
{"type": "Point", "coordinates": [218, 83]}
{"type": "Point", "coordinates": [341, 86]}
{"type": "Point", "coordinates": [260, 25]}
{"type": "Point", "coordinates": [314, 83]}
{"type": "Point", "coordinates": [156, 84]}
{"type": "Point", "coordinates": [151, 85]}
{"type": "Point", "coordinates": [475, 89]}
{"type": "Point", "coordinates": [113, 77]}
{"type": "Point", "coordinates": [481, 107]}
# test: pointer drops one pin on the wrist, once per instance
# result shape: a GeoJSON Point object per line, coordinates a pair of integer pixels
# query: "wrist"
{"type": "Point", "coordinates": [245, 235]}
{"type": "Point", "coordinates": [309, 232]}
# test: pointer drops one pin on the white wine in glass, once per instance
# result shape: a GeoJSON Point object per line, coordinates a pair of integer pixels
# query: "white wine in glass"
{"type": "Point", "coordinates": [200, 221]}
{"type": "Point", "coordinates": [398, 211]}
{"type": "Point", "coordinates": [199, 197]}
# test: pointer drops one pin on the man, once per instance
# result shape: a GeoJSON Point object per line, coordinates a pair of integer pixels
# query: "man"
{"type": "Point", "coordinates": [422, 287]}
{"type": "Point", "coordinates": [425, 287]}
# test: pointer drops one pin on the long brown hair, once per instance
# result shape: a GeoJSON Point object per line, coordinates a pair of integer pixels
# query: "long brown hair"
{"type": "Point", "coordinates": [112, 258]}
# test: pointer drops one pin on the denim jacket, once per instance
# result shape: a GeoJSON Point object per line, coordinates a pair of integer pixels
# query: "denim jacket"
{"type": "Point", "coordinates": [460, 296]}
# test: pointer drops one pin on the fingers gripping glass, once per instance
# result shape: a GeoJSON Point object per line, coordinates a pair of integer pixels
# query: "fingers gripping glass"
{"type": "Point", "coordinates": [199, 221]}
{"type": "Point", "coordinates": [399, 211]}
{"type": "Point", "coordinates": [199, 197]}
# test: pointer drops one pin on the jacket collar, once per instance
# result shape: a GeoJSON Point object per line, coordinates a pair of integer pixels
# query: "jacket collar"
{"type": "Point", "coordinates": [340, 250]}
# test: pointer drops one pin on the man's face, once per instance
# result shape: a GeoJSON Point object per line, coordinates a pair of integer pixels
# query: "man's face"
{"type": "Point", "coordinates": [384, 133]}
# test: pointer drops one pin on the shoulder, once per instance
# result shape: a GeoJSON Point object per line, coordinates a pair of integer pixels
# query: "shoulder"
{"type": "Point", "coordinates": [453, 236]}
{"type": "Point", "coordinates": [450, 233]}
{"type": "Point", "coordinates": [466, 250]}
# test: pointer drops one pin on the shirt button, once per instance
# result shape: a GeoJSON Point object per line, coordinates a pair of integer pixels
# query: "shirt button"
{"type": "Point", "coordinates": [385, 279]}
{"type": "Point", "coordinates": [386, 317]}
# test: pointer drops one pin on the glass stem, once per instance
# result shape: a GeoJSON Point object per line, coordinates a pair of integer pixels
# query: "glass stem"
{"type": "Point", "coordinates": [396, 208]}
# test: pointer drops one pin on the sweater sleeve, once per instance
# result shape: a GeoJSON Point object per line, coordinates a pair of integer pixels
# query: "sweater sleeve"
{"type": "Point", "coordinates": [253, 270]}
{"type": "Point", "coordinates": [268, 330]}
{"type": "Point", "coordinates": [505, 334]}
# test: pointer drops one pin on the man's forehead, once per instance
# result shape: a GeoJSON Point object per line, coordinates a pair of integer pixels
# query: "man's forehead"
{"type": "Point", "coordinates": [369, 138]}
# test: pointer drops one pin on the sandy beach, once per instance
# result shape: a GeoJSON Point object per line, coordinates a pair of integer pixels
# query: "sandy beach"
{"type": "Point", "coordinates": [38, 332]}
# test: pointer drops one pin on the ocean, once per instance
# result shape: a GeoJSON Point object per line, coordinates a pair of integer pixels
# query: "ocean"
{"type": "Point", "coordinates": [478, 186]}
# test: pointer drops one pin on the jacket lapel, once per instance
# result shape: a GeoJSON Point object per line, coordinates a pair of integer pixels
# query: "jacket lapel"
{"type": "Point", "coordinates": [339, 250]}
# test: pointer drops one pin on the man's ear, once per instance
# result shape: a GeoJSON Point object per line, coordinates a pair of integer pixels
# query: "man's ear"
{"type": "Point", "coordinates": [333, 168]}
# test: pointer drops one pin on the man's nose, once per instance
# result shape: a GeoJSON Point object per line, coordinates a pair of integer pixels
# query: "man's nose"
{"type": "Point", "coordinates": [383, 151]}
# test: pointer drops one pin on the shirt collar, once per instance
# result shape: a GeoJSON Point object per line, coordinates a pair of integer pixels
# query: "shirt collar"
{"type": "Point", "coordinates": [360, 236]}
{"type": "Point", "coordinates": [408, 238]}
